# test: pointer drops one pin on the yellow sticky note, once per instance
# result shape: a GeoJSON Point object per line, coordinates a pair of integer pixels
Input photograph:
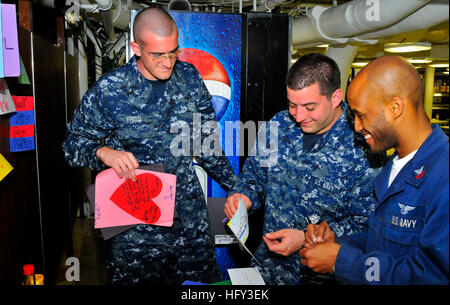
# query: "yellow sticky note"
{"type": "Point", "coordinates": [5, 167]}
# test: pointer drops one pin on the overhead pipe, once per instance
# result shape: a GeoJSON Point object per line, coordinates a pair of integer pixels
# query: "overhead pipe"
{"type": "Point", "coordinates": [268, 5]}
{"type": "Point", "coordinates": [430, 15]}
{"type": "Point", "coordinates": [336, 24]}
{"type": "Point", "coordinates": [343, 56]}
{"type": "Point", "coordinates": [98, 53]}
{"type": "Point", "coordinates": [105, 11]}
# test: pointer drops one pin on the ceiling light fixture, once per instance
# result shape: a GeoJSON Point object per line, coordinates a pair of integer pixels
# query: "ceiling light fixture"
{"type": "Point", "coordinates": [440, 65]}
{"type": "Point", "coordinates": [359, 64]}
{"type": "Point", "coordinates": [407, 47]}
{"type": "Point", "coordinates": [419, 60]}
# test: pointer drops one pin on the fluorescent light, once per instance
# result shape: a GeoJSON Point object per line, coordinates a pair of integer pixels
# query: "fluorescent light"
{"type": "Point", "coordinates": [419, 61]}
{"type": "Point", "coordinates": [445, 72]}
{"type": "Point", "coordinates": [322, 46]}
{"type": "Point", "coordinates": [359, 64]}
{"type": "Point", "coordinates": [407, 47]}
{"type": "Point", "coordinates": [440, 65]}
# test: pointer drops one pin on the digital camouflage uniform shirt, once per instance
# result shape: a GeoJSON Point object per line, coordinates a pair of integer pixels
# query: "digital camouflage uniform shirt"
{"type": "Point", "coordinates": [332, 182]}
{"type": "Point", "coordinates": [123, 110]}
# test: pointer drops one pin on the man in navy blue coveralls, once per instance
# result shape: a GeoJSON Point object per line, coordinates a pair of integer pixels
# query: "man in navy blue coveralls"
{"type": "Point", "coordinates": [124, 121]}
{"type": "Point", "coordinates": [407, 239]}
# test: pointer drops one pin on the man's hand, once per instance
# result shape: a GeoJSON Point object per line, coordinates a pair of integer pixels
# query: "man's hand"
{"type": "Point", "coordinates": [318, 233]}
{"type": "Point", "coordinates": [285, 242]}
{"type": "Point", "coordinates": [232, 204]}
{"type": "Point", "coordinates": [124, 163]}
{"type": "Point", "coordinates": [320, 258]}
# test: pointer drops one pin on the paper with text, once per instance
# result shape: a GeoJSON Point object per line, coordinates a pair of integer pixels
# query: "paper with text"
{"type": "Point", "coordinates": [148, 200]}
{"type": "Point", "coordinates": [245, 276]}
{"type": "Point", "coordinates": [240, 228]}
{"type": "Point", "coordinates": [239, 222]}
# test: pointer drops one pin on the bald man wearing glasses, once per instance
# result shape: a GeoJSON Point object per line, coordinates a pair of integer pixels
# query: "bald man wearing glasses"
{"type": "Point", "coordinates": [124, 122]}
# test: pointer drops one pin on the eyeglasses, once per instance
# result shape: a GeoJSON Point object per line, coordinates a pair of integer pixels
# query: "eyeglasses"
{"type": "Point", "coordinates": [160, 57]}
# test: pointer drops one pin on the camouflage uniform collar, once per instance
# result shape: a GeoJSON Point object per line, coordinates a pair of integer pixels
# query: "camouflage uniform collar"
{"type": "Point", "coordinates": [336, 130]}
{"type": "Point", "coordinates": [139, 81]}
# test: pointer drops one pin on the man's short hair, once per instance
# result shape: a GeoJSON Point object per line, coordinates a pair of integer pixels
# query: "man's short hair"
{"type": "Point", "coordinates": [315, 68]}
{"type": "Point", "coordinates": [165, 23]}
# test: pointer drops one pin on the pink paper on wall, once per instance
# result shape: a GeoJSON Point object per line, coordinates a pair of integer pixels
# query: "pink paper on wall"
{"type": "Point", "coordinates": [148, 200]}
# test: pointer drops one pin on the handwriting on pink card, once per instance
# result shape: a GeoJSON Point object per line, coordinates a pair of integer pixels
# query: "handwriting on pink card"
{"type": "Point", "coordinates": [148, 200]}
{"type": "Point", "coordinates": [135, 198]}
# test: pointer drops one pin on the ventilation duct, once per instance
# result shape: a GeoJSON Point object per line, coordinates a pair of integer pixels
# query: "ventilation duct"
{"type": "Point", "coordinates": [179, 5]}
{"type": "Point", "coordinates": [338, 23]}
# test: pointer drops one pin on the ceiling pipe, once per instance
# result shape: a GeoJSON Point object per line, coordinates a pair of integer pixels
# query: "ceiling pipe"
{"type": "Point", "coordinates": [105, 11]}
{"type": "Point", "coordinates": [336, 24]}
{"type": "Point", "coordinates": [430, 15]}
{"type": "Point", "coordinates": [98, 53]}
{"type": "Point", "coordinates": [268, 5]}
{"type": "Point", "coordinates": [343, 56]}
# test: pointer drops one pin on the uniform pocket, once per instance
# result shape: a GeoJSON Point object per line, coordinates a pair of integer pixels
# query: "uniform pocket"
{"type": "Point", "coordinates": [407, 238]}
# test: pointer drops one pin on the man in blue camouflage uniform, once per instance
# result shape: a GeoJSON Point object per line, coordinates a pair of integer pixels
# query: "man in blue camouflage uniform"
{"type": "Point", "coordinates": [131, 110]}
{"type": "Point", "coordinates": [321, 173]}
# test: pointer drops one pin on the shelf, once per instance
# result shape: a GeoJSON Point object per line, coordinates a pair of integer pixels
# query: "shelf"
{"type": "Point", "coordinates": [440, 107]}
{"type": "Point", "coordinates": [435, 121]}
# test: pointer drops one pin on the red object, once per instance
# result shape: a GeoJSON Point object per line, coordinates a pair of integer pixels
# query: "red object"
{"type": "Point", "coordinates": [22, 131]}
{"type": "Point", "coordinates": [23, 103]}
{"type": "Point", "coordinates": [28, 269]}
{"type": "Point", "coordinates": [135, 198]}
{"type": "Point", "coordinates": [419, 176]}
{"type": "Point", "coordinates": [208, 66]}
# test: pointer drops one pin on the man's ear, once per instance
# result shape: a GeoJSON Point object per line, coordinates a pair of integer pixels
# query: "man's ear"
{"type": "Point", "coordinates": [336, 98]}
{"type": "Point", "coordinates": [396, 106]}
{"type": "Point", "coordinates": [135, 48]}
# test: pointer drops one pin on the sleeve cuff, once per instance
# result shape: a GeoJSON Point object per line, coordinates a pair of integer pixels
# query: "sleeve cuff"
{"type": "Point", "coordinates": [346, 265]}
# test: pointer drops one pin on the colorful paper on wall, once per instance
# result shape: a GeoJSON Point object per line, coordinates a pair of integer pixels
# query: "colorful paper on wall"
{"type": "Point", "coordinates": [23, 78]}
{"type": "Point", "coordinates": [23, 103]}
{"type": "Point", "coordinates": [5, 167]}
{"type": "Point", "coordinates": [21, 124]}
{"type": "Point", "coordinates": [6, 101]}
{"type": "Point", "coordinates": [22, 118]}
{"type": "Point", "coordinates": [21, 144]}
{"type": "Point", "coordinates": [11, 61]}
{"type": "Point", "coordinates": [148, 200]}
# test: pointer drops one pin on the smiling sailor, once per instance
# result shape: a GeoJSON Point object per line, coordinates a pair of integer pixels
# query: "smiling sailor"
{"type": "Point", "coordinates": [407, 241]}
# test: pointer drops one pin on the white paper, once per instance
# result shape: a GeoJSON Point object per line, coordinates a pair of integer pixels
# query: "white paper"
{"type": "Point", "coordinates": [239, 226]}
{"type": "Point", "coordinates": [245, 276]}
{"type": "Point", "coordinates": [225, 239]}
{"type": "Point", "coordinates": [239, 222]}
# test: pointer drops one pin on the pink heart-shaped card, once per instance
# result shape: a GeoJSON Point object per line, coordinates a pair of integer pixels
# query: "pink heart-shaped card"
{"type": "Point", "coordinates": [148, 200]}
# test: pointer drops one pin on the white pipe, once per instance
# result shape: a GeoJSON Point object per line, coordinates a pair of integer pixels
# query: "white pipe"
{"type": "Point", "coordinates": [104, 4]}
{"type": "Point", "coordinates": [361, 16]}
{"type": "Point", "coordinates": [98, 54]}
{"type": "Point", "coordinates": [82, 67]}
{"type": "Point", "coordinates": [268, 5]}
{"type": "Point", "coordinates": [343, 56]}
{"type": "Point", "coordinates": [430, 15]}
{"type": "Point", "coordinates": [336, 24]}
